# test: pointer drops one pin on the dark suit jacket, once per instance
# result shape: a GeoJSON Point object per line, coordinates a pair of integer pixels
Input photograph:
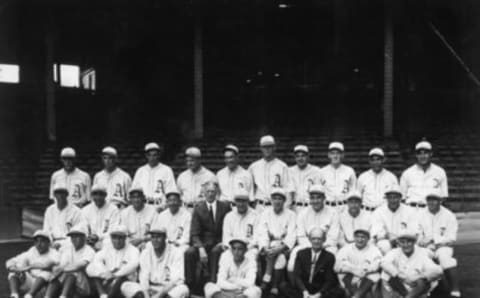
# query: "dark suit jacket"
{"type": "Point", "coordinates": [324, 278]}
{"type": "Point", "coordinates": [203, 231]}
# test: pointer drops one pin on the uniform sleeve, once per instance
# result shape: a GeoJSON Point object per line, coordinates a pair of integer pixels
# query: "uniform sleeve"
{"type": "Point", "coordinates": [127, 185]}
{"type": "Point", "coordinates": [144, 272]}
{"type": "Point", "coordinates": [450, 234]}
{"type": "Point", "coordinates": [361, 184]}
{"type": "Point", "coordinates": [196, 229]}
{"type": "Point", "coordinates": [431, 271]}
{"type": "Point", "coordinates": [88, 187]}
{"type": "Point", "coordinates": [404, 184]}
{"type": "Point", "coordinates": [263, 239]}
{"type": "Point", "coordinates": [291, 236]}
{"type": "Point", "coordinates": [352, 181]}
{"type": "Point", "coordinates": [250, 185]}
{"type": "Point", "coordinates": [333, 231]}
{"type": "Point", "coordinates": [185, 239]}
{"type": "Point", "coordinates": [227, 230]}
{"type": "Point", "coordinates": [388, 263]}
{"type": "Point", "coordinates": [132, 259]}
{"type": "Point", "coordinates": [444, 183]}
{"type": "Point", "coordinates": [47, 224]}
{"type": "Point", "coordinates": [222, 276]}
{"type": "Point", "coordinates": [250, 276]}
{"type": "Point", "coordinates": [137, 178]}
{"type": "Point", "coordinates": [20, 260]}
{"type": "Point", "coordinates": [52, 184]}
{"type": "Point", "coordinates": [301, 230]}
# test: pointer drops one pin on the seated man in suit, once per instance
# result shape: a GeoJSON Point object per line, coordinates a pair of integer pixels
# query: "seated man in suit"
{"type": "Point", "coordinates": [206, 237]}
{"type": "Point", "coordinates": [314, 274]}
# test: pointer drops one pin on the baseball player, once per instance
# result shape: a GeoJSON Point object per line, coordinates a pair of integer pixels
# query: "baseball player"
{"type": "Point", "coordinates": [154, 177]}
{"type": "Point", "coordinates": [191, 181]}
{"type": "Point", "coordinates": [317, 215]}
{"type": "Point", "coordinates": [30, 271]}
{"type": "Point", "coordinates": [390, 219]}
{"type": "Point", "coordinates": [302, 176]}
{"type": "Point", "coordinates": [176, 220]}
{"type": "Point", "coordinates": [138, 218]}
{"type": "Point", "coordinates": [70, 278]}
{"type": "Point", "coordinates": [438, 233]}
{"type": "Point", "coordinates": [276, 236]}
{"type": "Point", "coordinates": [268, 172]}
{"type": "Point", "coordinates": [408, 271]}
{"type": "Point", "coordinates": [100, 216]}
{"type": "Point", "coordinates": [114, 264]}
{"type": "Point", "coordinates": [77, 181]}
{"type": "Point", "coordinates": [352, 218]}
{"type": "Point", "coordinates": [161, 270]}
{"type": "Point", "coordinates": [233, 176]}
{"type": "Point", "coordinates": [421, 177]}
{"type": "Point", "coordinates": [116, 180]}
{"type": "Point", "coordinates": [358, 265]}
{"type": "Point", "coordinates": [236, 274]}
{"type": "Point", "coordinates": [373, 183]}
{"type": "Point", "coordinates": [242, 222]}
{"type": "Point", "coordinates": [337, 179]}
{"type": "Point", "coordinates": [61, 216]}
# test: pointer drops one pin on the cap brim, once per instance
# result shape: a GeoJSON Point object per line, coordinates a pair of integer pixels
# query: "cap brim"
{"type": "Point", "coordinates": [76, 233]}
{"type": "Point", "coordinates": [42, 236]}
{"type": "Point", "coordinates": [118, 234]}
{"type": "Point", "coordinates": [232, 242]}
{"type": "Point", "coordinates": [242, 198]}
{"type": "Point", "coordinates": [157, 232]}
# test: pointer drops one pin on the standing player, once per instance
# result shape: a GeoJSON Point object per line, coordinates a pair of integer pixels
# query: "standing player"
{"type": "Point", "coordinates": [191, 181]}
{"type": "Point", "coordinates": [352, 218]}
{"type": "Point", "coordinates": [302, 175]}
{"type": "Point", "coordinates": [338, 179]}
{"type": "Point", "coordinates": [77, 181]}
{"type": "Point", "coordinates": [154, 178]}
{"type": "Point", "coordinates": [233, 176]}
{"type": "Point", "coordinates": [373, 183]}
{"type": "Point", "coordinates": [268, 172]}
{"type": "Point", "coordinates": [421, 177]}
{"type": "Point", "coordinates": [116, 180]}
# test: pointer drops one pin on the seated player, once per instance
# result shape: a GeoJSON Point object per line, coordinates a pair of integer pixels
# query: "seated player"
{"type": "Point", "coordinates": [61, 216]}
{"type": "Point", "coordinates": [358, 265]}
{"type": "Point", "coordinates": [353, 217]}
{"type": "Point", "coordinates": [314, 271]}
{"type": "Point", "coordinates": [161, 270]}
{"type": "Point", "coordinates": [236, 274]}
{"type": "Point", "coordinates": [114, 264]}
{"type": "Point", "coordinates": [70, 278]}
{"type": "Point", "coordinates": [138, 218]}
{"type": "Point", "coordinates": [276, 236]}
{"type": "Point", "coordinates": [30, 271]}
{"type": "Point", "coordinates": [438, 233]}
{"type": "Point", "coordinates": [176, 220]}
{"type": "Point", "coordinates": [100, 216]}
{"type": "Point", "coordinates": [408, 271]}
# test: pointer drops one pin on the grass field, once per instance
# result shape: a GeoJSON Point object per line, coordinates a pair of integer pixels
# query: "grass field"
{"type": "Point", "coordinates": [468, 258]}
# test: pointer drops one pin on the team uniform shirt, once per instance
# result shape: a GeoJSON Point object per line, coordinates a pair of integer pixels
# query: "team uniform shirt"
{"type": "Point", "coordinates": [238, 226]}
{"type": "Point", "coordinates": [101, 220]}
{"type": "Point", "coordinates": [177, 225]}
{"type": "Point", "coordinates": [302, 179]}
{"type": "Point", "coordinates": [32, 256]}
{"type": "Point", "coordinates": [155, 182]}
{"type": "Point", "coordinates": [441, 228]}
{"type": "Point", "coordinates": [138, 223]}
{"type": "Point", "coordinates": [117, 182]}
{"type": "Point", "coordinates": [338, 182]}
{"type": "Point", "coordinates": [327, 219]}
{"type": "Point", "coordinates": [387, 224]}
{"type": "Point", "coordinates": [372, 186]}
{"type": "Point", "coordinates": [231, 181]}
{"type": "Point", "coordinates": [348, 225]}
{"type": "Point", "coordinates": [190, 184]}
{"type": "Point", "coordinates": [267, 175]}
{"type": "Point", "coordinates": [70, 256]}
{"type": "Point", "coordinates": [415, 183]}
{"type": "Point", "coordinates": [230, 276]}
{"type": "Point", "coordinates": [77, 182]}
{"type": "Point", "coordinates": [124, 261]}
{"type": "Point", "coordinates": [360, 262]}
{"type": "Point", "coordinates": [160, 271]}
{"type": "Point", "coordinates": [59, 222]}
{"type": "Point", "coordinates": [275, 229]}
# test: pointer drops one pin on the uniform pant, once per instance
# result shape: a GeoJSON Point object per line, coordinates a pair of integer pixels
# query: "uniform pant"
{"type": "Point", "coordinates": [356, 282]}
{"type": "Point", "coordinates": [82, 283]}
{"type": "Point", "coordinates": [27, 280]}
{"type": "Point", "coordinates": [129, 289]}
{"type": "Point", "coordinates": [212, 288]}
{"type": "Point", "coordinates": [193, 276]}
{"type": "Point", "coordinates": [445, 258]}
{"type": "Point", "coordinates": [289, 291]}
{"type": "Point", "coordinates": [388, 292]}
{"type": "Point", "coordinates": [296, 249]}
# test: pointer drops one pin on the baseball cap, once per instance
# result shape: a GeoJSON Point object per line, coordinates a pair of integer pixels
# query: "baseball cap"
{"type": "Point", "coordinates": [376, 152]}
{"type": "Point", "coordinates": [135, 189]}
{"type": "Point", "coordinates": [278, 191]}
{"type": "Point", "coordinates": [407, 234]}
{"type": "Point", "coordinates": [336, 146]}
{"type": "Point", "coordinates": [300, 148]}
{"type": "Point", "coordinates": [241, 194]}
{"type": "Point", "coordinates": [362, 230]}
{"type": "Point", "coordinates": [158, 229]}
{"type": "Point", "coordinates": [232, 148]}
{"type": "Point", "coordinates": [78, 229]}
{"type": "Point", "coordinates": [173, 191]}
{"type": "Point", "coordinates": [354, 195]}
{"type": "Point", "coordinates": [193, 152]}
{"type": "Point", "coordinates": [60, 187]}
{"type": "Point", "coordinates": [109, 151]}
{"type": "Point", "coordinates": [97, 188]}
{"type": "Point", "coordinates": [267, 140]}
{"type": "Point", "coordinates": [68, 152]}
{"type": "Point", "coordinates": [316, 188]}
{"type": "Point", "coordinates": [434, 194]}
{"type": "Point", "coordinates": [119, 230]}
{"type": "Point", "coordinates": [238, 240]}
{"type": "Point", "coordinates": [152, 146]}
{"type": "Point", "coordinates": [43, 234]}
{"type": "Point", "coordinates": [423, 145]}
{"type": "Point", "coordinates": [393, 189]}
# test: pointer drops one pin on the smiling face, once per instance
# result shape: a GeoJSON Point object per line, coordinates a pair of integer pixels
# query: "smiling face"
{"type": "Point", "coordinates": [109, 162]}
{"type": "Point", "coordinates": [231, 159]}
{"type": "Point", "coordinates": [335, 156]}
{"type": "Point", "coordinates": [354, 206]}
{"type": "Point", "coordinates": [118, 241]}
{"type": "Point", "coordinates": [393, 200]}
{"type": "Point", "coordinates": [407, 245]}
{"type": "Point", "coordinates": [317, 201]}
{"type": "Point", "coordinates": [153, 157]}
{"type": "Point", "coordinates": [424, 157]}
{"type": "Point", "coordinates": [376, 163]}
{"type": "Point", "coordinates": [301, 159]}
{"type": "Point", "coordinates": [361, 240]}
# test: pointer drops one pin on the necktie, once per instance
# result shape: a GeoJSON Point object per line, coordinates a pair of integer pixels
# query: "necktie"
{"type": "Point", "coordinates": [312, 267]}
{"type": "Point", "coordinates": [210, 210]}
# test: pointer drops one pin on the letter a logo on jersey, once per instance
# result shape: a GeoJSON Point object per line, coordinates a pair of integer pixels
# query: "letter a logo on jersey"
{"type": "Point", "coordinates": [276, 181]}
{"type": "Point", "coordinates": [118, 190]}
{"type": "Point", "coordinates": [76, 191]}
{"type": "Point", "coordinates": [160, 188]}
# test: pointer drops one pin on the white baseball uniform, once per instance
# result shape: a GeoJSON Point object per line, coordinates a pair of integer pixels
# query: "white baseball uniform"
{"type": "Point", "coordinates": [190, 184]}
{"type": "Point", "coordinates": [159, 272]}
{"type": "Point", "coordinates": [155, 182]}
{"type": "Point", "coordinates": [267, 175]}
{"type": "Point", "coordinates": [77, 182]}
{"type": "Point", "coordinates": [301, 181]}
{"type": "Point", "coordinates": [101, 220]}
{"type": "Point", "coordinates": [338, 182]}
{"type": "Point", "coordinates": [242, 226]}
{"type": "Point", "coordinates": [117, 182]}
{"type": "Point", "coordinates": [138, 223]}
{"type": "Point", "coordinates": [349, 224]}
{"type": "Point", "coordinates": [70, 256]}
{"type": "Point", "coordinates": [231, 181]}
{"type": "Point", "coordinates": [416, 183]}
{"type": "Point", "coordinates": [177, 226]}
{"type": "Point", "coordinates": [440, 230]}
{"type": "Point", "coordinates": [123, 261]}
{"type": "Point", "coordinates": [362, 263]}
{"type": "Point", "coordinates": [372, 186]}
{"type": "Point", "coordinates": [59, 222]}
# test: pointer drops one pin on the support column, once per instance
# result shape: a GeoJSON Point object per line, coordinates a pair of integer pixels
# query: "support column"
{"type": "Point", "coordinates": [198, 75]}
{"type": "Point", "coordinates": [388, 70]}
{"type": "Point", "coordinates": [49, 83]}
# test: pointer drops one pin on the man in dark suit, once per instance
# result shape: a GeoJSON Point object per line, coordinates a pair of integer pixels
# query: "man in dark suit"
{"type": "Point", "coordinates": [206, 238]}
{"type": "Point", "coordinates": [314, 274]}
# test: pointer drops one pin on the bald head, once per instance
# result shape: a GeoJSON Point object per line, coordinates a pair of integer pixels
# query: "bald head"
{"type": "Point", "coordinates": [316, 236]}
